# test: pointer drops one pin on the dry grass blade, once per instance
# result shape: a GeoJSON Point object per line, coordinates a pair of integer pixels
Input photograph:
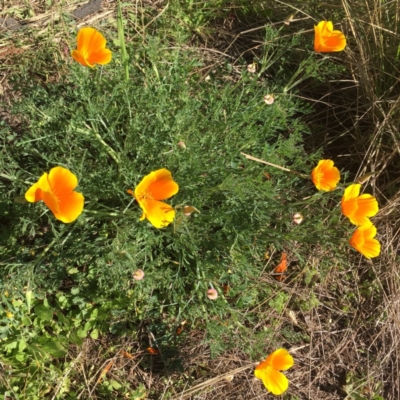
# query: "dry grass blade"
{"type": "Point", "coordinates": [210, 382]}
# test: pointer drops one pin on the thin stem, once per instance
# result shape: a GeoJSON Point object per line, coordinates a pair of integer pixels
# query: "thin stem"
{"type": "Point", "coordinates": [249, 157]}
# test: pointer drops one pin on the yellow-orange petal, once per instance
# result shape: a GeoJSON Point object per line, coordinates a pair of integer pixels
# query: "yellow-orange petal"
{"type": "Point", "coordinates": [70, 207]}
{"type": "Point", "coordinates": [78, 57]}
{"type": "Point", "coordinates": [336, 41]}
{"type": "Point", "coordinates": [363, 241]}
{"type": "Point", "coordinates": [158, 213]}
{"type": "Point", "coordinates": [325, 176]}
{"type": "Point", "coordinates": [274, 381]}
{"type": "Point", "coordinates": [90, 40]}
{"type": "Point", "coordinates": [51, 202]}
{"type": "Point", "coordinates": [163, 189]}
{"type": "Point", "coordinates": [352, 191]}
{"type": "Point", "coordinates": [34, 193]}
{"type": "Point", "coordinates": [62, 181]}
{"type": "Point", "coordinates": [101, 57]}
{"type": "Point", "coordinates": [159, 185]}
{"type": "Point", "coordinates": [368, 205]}
{"type": "Point", "coordinates": [321, 30]}
{"type": "Point", "coordinates": [280, 359]}
{"type": "Point", "coordinates": [317, 38]}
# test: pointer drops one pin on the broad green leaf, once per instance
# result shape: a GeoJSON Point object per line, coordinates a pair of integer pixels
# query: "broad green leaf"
{"type": "Point", "coordinates": [73, 271]}
{"type": "Point", "coordinates": [29, 296]}
{"type": "Point", "coordinates": [82, 333]}
{"type": "Point", "coordinates": [43, 313]}
{"type": "Point", "coordinates": [116, 385]}
{"type": "Point", "coordinates": [94, 334]}
{"type": "Point", "coordinates": [50, 346]}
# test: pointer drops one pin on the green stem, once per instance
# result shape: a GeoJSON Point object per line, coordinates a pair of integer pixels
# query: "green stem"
{"type": "Point", "coordinates": [102, 213]}
{"type": "Point", "coordinates": [113, 154]}
{"type": "Point", "coordinates": [13, 178]}
{"type": "Point", "coordinates": [121, 38]}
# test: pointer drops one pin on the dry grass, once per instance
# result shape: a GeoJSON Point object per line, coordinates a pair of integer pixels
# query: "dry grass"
{"type": "Point", "coordinates": [353, 348]}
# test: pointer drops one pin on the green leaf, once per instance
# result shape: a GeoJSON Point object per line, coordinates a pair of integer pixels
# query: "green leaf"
{"type": "Point", "coordinates": [17, 302]}
{"type": "Point", "coordinates": [26, 321]}
{"type": "Point", "coordinates": [28, 296]}
{"type": "Point", "coordinates": [139, 393]}
{"type": "Point", "coordinates": [82, 333]}
{"type": "Point", "coordinates": [43, 313]}
{"type": "Point", "coordinates": [116, 385]}
{"type": "Point", "coordinates": [94, 334]}
{"type": "Point", "coordinates": [73, 271]}
{"type": "Point", "coordinates": [10, 346]}
{"type": "Point", "coordinates": [21, 345]}
{"type": "Point", "coordinates": [50, 346]}
{"type": "Point", "coordinates": [94, 314]}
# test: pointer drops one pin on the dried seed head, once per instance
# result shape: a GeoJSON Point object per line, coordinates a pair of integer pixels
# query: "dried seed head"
{"type": "Point", "coordinates": [297, 218]}
{"type": "Point", "coordinates": [269, 99]}
{"type": "Point", "coordinates": [138, 275]}
{"type": "Point", "coordinates": [182, 145]}
{"type": "Point", "coordinates": [252, 68]}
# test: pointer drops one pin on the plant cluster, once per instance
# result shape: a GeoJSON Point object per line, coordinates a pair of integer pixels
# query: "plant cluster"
{"type": "Point", "coordinates": [105, 272]}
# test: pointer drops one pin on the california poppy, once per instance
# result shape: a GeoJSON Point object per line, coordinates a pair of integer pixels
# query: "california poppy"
{"type": "Point", "coordinates": [127, 355]}
{"type": "Point", "coordinates": [326, 39]}
{"type": "Point", "coordinates": [56, 189]}
{"type": "Point", "coordinates": [153, 351]}
{"type": "Point", "coordinates": [281, 268]}
{"type": "Point", "coordinates": [91, 48]}
{"type": "Point", "coordinates": [363, 241]}
{"type": "Point", "coordinates": [105, 370]}
{"type": "Point", "coordinates": [325, 176]}
{"type": "Point", "coordinates": [268, 371]}
{"type": "Point", "coordinates": [357, 208]}
{"type": "Point", "coordinates": [158, 185]}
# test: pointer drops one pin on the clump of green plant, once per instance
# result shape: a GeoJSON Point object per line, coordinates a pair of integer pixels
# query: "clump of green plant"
{"type": "Point", "coordinates": [111, 132]}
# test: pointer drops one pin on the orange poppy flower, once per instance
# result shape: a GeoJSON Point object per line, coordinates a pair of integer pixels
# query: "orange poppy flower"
{"type": "Point", "coordinates": [326, 39]}
{"type": "Point", "coordinates": [325, 176]}
{"type": "Point", "coordinates": [268, 371]}
{"type": "Point", "coordinates": [56, 189]}
{"type": "Point", "coordinates": [91, 48]}
{"type": "Point", "coordinates": [363, 241]}
{"type": "Point", "coordinates": [281, 268]}
{"type": "Point", "coordinates": [358, 208]}
{"type": "Point", "coordinates": [158, 185]}
{"type": "Point", "coordinates": [153, 351]}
